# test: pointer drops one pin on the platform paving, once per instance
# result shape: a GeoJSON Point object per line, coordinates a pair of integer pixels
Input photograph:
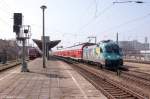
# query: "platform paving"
{"type": "Point", "coordinates": [57, 81]}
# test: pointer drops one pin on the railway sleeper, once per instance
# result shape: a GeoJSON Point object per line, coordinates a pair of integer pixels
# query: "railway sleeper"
{"type": "Point", "coordinates": [130, 98]}
{"type": "Point", "coordinates": [120, 94]}
{"type": "Point", "coordinates": [126, 97]}
{"type": "Point", "coordinates": [109, 87]}
{"type": "Point", "coordinates": [113, 83]}
{"type": "Point", "coordinates": [116, 91]}
{"type": "Point", "coordinates": [135, 80]}
{"type": "Point", "coordinates": [103, 81]}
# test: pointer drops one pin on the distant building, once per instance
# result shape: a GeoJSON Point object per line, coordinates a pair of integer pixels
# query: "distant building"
{"type": "Point", "coordinates": [146, 54]}
{"type": "Point", "coordinates": [133, 47]}
{"type": "Point", "coordinates": [8, 50]}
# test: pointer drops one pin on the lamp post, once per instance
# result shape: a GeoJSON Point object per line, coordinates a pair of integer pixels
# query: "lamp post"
{"type": "Point", "coordinates": [43, 7]}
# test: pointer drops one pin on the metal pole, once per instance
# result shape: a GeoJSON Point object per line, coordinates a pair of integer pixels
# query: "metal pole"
{"type": "Point", "coordinates": [43, 45]}
{"type": "Point", "coordinates": [90, 37]}
{"type": "Point", "coordinates": [24, 64]}
{"type": "Point", "coordinates": [117, 38]}
{"type": "Point", "coordinates": [95, 40]}
{"type": "Point", "coordinates": [43, 42]}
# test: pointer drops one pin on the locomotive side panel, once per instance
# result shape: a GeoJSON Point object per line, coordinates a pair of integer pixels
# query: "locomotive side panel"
{"type": "Point", "coordinates": [93, 53]}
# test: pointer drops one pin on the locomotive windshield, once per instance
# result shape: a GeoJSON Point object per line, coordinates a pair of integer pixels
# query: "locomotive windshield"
{"type": "Point", "coordinates": [113, 48]}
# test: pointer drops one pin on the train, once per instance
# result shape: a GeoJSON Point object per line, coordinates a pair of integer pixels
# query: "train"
{"type": "Point", "coordinates": [33, 53]}
{"type": "Point", "coordinates": [106, 54]}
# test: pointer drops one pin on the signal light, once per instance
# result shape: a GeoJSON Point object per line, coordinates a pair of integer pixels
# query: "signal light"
{"type": "Point", "coordinates": [16, 28]}
{"type": "Point", "coordinates": [26, 31]}
{"type": "Point", "coordinates": [17, 18]}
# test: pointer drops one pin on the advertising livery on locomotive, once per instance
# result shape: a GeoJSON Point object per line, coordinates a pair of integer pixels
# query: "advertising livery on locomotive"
{"type": "Point", "coordinates": [107, 53]}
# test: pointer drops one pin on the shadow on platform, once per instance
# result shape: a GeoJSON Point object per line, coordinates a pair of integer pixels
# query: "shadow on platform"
{"type": "Point", "coordinates": [52, 58]}
{"type": "Point", "coordinates": [50, 75]}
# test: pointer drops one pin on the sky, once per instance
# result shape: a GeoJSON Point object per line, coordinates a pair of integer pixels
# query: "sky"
{"type": "Point", "coordinates": [73, 21]}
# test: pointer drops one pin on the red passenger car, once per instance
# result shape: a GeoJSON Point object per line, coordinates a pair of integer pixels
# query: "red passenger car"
{"type": "Point", "coordinates": [74, 52]}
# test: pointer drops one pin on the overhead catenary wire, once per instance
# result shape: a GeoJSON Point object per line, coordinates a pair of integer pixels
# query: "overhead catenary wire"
{"type": "Point", "coordinates": [94, 2]}
{"type": "Point", "coordinates": [2, 20]}
{"type": "Point", "coordinates": [6, 7]}
{"type": "Point", "coordinates": [118, 26]}
{"type": "Point", "coordinates": [129, 30]}
{"type": "Point", "coordinates": [96, 7]}
{"type": "Point", "coordinates": [9, 7]}
{"type": "Point", "coordinates": [8, 13]}
{"type": "Point", "coordinates": [101, 13]}
{"type": "Point", "coordinates": [94, 18]}
{"type": "Point", "coordinates": [5, 11]}
{"type": "Point", "coordinates": [127, 22]}
{"type": "Point", "coordinates": [90, 6]}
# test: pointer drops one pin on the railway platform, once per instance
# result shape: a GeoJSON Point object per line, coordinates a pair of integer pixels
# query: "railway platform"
{"type": "Point", "coordinates": [57, 81]}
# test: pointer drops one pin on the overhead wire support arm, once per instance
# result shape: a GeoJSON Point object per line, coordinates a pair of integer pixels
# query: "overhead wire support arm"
{"type": "Point", "coordinates": [128, 2]}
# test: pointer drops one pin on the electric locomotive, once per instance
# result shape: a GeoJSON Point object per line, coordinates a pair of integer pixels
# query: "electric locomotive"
{"type": "Point", "coordinates": [106, 53]}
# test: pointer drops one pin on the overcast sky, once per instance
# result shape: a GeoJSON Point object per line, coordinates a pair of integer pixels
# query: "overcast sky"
{"type": "Point", "coordinates": [74, 20]}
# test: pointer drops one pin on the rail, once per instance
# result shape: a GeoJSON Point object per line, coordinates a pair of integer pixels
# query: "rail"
{"type": "Point", "coordinates": [10, 64]}
{"type": "Point", "coordinates": [112, 89]}
{"type": "Point", "coordinates": [137, 61]}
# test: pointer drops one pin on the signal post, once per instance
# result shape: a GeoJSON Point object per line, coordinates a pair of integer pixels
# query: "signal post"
{"type": "Point", "coordinates": [23, 33]}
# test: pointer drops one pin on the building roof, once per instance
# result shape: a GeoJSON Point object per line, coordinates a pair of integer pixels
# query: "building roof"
{"type": "Point", "coordinates": [50, 44]}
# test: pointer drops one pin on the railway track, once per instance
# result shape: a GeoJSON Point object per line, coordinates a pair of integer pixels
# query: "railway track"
{"type": "Point", "coordinates": [137, 61]}
{"type": "Point", "coordinates": [138, 77]}
{"type": "Point", "coordinates": [140, 74]}
{"type": "Point", "coordinates": [138, 82]}
{"type": "Point", "coordinates": [9, 65]}
{"type": "Point", "coordinates": [109, 87]}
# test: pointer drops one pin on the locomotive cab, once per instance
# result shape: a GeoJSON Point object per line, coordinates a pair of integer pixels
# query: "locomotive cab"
{"type": "Point", "coordinates": [113, 56]}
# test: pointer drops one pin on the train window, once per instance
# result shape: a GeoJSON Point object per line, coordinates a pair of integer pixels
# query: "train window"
{"type": "Point", "coordinates": [112, 48]}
